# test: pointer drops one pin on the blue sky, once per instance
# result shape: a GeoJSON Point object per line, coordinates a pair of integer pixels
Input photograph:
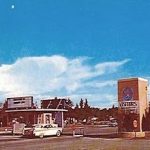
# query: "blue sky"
{"type": "Point", "coordinates": [95, 42]}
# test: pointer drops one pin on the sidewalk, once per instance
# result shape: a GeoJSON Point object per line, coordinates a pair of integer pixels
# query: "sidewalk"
{"type": "Point", "coordinates": [9, 137]}
{"type": "Point", "coordinates": [6, 135]}
{"type": "Point", "coordinates": [5, 130]}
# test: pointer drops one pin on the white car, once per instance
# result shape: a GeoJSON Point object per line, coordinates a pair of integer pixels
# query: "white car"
{"type": "Point", "coordinates": [42, 130]}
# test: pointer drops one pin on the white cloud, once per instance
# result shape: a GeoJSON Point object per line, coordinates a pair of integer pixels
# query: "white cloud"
{"type": "Point", "coordinates": [100, 84]}
{"type": "Point", "coordinates": [109, 67]}
{"type": "Point", "coordinates": [54, 75]}
{"type": "Point", "coordinates": [12, 6]}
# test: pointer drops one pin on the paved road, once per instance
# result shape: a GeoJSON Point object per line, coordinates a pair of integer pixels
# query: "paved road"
{"type": "Point", "coordinates": [64, 142]}
{"type": "Point", "coordinates": [4, 138]}
{"type": "Point", "coordinates": [74, 143]}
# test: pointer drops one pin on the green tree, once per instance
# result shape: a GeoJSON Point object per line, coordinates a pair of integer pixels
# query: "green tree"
{"type": "Point", "coordinates": [81, 103]}
{"type": "Point", "coordinates": [87, 110]}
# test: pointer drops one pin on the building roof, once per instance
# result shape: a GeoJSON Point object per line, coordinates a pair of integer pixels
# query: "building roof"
{"type": "Point", "coordinates": [37, 110]}
{"type": "Point", "coordinates": [134, 78]}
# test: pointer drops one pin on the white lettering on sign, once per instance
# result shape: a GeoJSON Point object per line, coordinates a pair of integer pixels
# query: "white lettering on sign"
{"type": "Point", "coordinates": [128, 104]}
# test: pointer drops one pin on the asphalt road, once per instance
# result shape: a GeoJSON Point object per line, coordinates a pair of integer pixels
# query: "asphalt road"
{"type": "Point", "coordinates": [87, 142]}
{"type": "Point", "coordinates": [76, 143]}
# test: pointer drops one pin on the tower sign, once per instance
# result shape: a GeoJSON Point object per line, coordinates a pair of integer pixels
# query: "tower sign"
{"type": "Point", "coordinates": [132, 103]}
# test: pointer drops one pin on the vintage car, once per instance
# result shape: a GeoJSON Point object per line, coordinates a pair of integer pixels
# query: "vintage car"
{"type": "Point", "coordinates": [41, 130]}
{"type": "Point", "coordinates": [113, 124]}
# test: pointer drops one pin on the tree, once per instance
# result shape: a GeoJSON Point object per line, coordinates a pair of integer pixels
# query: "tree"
{"type": "Point", "coordinates": [68, 103]}
{"type": "Point", "coordinates": [87, 110]}
{"type": "Point", "coordinates": [81, 103]}
{"type": "Point", "coordinates": [86, 106]}
{"type": "Point", "coordinates": [77, 106]}
{"type": "Point", "coordinates": [77, 112]}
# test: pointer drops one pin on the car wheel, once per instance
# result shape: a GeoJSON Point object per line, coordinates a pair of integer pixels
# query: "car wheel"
{"type": "Point", "coordinates": [41, 136]}
{"type": "Point", "coordinates": [58, 133]}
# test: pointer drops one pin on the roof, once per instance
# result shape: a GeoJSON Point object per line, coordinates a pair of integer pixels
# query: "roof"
{"type": "Point", "coordinates": [135, 78]}
{"type": "Point", "coordinates": [37, 110]}
{"type": "Point", "coordinates": [19, 97]}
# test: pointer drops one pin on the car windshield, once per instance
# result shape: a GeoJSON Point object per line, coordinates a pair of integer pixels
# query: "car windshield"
{"type": "Point", "coordinates": [48, 126]}
{"type": "Point", "coordinates": [43, 126]}
{"type": "Point", "coordinates": [29, 126]}
{"type": "Point", "coordinates": [38, 126]}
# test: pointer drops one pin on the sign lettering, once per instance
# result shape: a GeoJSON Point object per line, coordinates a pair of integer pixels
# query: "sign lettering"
{"type": "Point", "coordinates": [128, 104]}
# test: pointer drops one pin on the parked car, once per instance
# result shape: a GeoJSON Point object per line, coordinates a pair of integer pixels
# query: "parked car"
{"type": "Point", "coordinates": [113, 124]}
{"type": "Point", "coordinates": [102, 123]}
{"type": "Point", "coordinates": [41, 130]}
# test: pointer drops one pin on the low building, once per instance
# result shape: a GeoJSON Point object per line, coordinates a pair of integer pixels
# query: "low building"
{"type": "Point", "coordinates": [23, 110]}
{"type": "Point", "coordinates": [56, 103]}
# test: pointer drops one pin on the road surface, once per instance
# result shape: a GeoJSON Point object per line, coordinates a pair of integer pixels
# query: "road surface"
{"type": "Point", "coordinates": [87, 142]}
{"type": "Point", "coordinates": [76, 143]}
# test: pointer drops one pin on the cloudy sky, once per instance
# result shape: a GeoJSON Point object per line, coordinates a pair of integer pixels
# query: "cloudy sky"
{"type": "Point", "coordinates": [72, 48]}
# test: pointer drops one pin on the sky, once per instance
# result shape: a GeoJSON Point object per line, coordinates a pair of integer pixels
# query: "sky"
{"type": "Point", "coordinates": [72, 48]}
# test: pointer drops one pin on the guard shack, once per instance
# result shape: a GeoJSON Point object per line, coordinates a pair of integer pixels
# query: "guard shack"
{"type": "Point", "coordinates": [132, 105]}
